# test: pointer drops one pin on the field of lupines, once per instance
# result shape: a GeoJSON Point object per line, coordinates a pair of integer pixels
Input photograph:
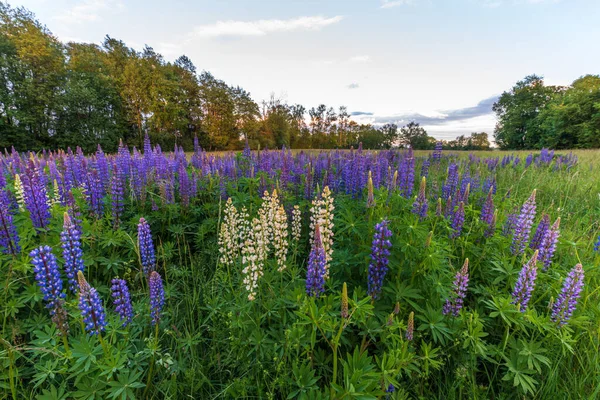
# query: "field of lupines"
{"type": "Point", "coordinates": [272, 274]}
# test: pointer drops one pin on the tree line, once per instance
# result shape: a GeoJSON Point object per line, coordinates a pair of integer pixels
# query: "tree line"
{"type": "Point", "coordinates": [534, 115]}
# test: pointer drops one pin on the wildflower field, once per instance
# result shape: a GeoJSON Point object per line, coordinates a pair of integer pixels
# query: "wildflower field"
{"type": "Point", "coordinates": [313, 275]}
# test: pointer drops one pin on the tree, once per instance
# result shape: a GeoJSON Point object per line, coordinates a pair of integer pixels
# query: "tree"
{"type": "Point", "coordinates": [415, 136]}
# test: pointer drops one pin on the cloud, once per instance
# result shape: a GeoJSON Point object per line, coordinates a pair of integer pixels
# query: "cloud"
{"type": "Point", "coordinates": [360, 59]}
{"type": "Point", "coordinates": [89, 11]}
{"type": "Point", "coordinates": [360, 113]}
{"type": "Point", "coordinates": [353, 85]}
{"type": "Point", "coordinates": [395, 3]}
{"type": "Point", "coordinates": [444, 118]}
{"type": "Point", "coordinates": [264, 27]}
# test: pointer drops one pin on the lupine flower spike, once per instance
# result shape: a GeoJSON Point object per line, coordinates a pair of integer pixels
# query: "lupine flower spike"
{"type": "Point", "coordinates": [420, 205]}
{"type": "Point", "coordinates": [523, 225]}
{"type": "Point", "coordinates": [548, 244]}
{"type": "Point", "coordinates": [122, 300]}
{"type": "Point", "coordinates": [147, 255]}
{"type": "Point", "coordinates": [370, 196]}
{"type": "Point", "coordinates": [315, 274]}
{"type": "Point", "coordinates": [540, 232]}
{"type": "Point", "coordinates": [47, 276]}
{"type": "Point", "coordinates": [566, 302]}
{"type": "Point", "coordinates": [70, 238]}
{"type": "Point", "coordinates": [157, 297]}
{"type": "Point", "coordinates": [410, 326]}
{"type": "Point", "coordinates": [380, 252]}
{"type": "Point", "coordinates": [344, 312]}
{"type": "Point", "coordinates": [525, 283]}
{"type": "Point", "coordinates": [454, 304]}
{"type": "Point", "coordinates": [9, 238]}
{"type": "Point", "coordinates": [90, 306]}
{"type": "Point", "coordinates": [458, 220]}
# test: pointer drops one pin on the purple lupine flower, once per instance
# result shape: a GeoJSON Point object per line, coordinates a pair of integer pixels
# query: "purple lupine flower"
{"type": "Point", "coordinates": [122, 300]}
{"type": "Point", "coordinates": [90, 306]}
{"type": "Point", "coordinates": [540, 232]}
{"type": "Point", "coordinates": [157, 297]}
{"type": "Point", "coordinates": [47, 276]}
{"type": "Point", "coordinates": [458, 220]}
{"type": "Point", "coordinates": [489, 232]}
{"type": "Point", "coordinates": [451, 183]}
{"type": "Point", "coordinates": [70, 239]}
{"type": "Point", "coordinates": [487, 211]}
{"type": "Point", "coordinates": [9, 238]}
{"type": "Point", "coordinates": [102, 164]}
{"type": "Point", "coordinates": [523, 225]}
{"type": "Point", "coordinates": [94, 193]}
{"type": "Point", "coordinates": [36, 197]}
{"type": "Point", "coordinates": [420, 205]}
{"type": "Point", "coordinates": [528, 160]}
{"type": "Point", "coordinates": [597, 245]}
{"type": "Point", "coordinates": [449, 208]}
{"type": "Point", "coordinates": [425, 168]}
{"type": "Point", "coordinates": [509, 225]}
{"type": "Point", "coordinates": [380, 253]}
{"type": "Point", "coordinates": [437, 152]}
{"type": "Point", "coordinates": [315, 274]}
{"type": "Point", "coordinates": [548, 244]}
{"type": "Point", "coordinates": [456, 300]}
{"type": "Point", "coordinates": [117, 194]}
{"type": "Point", "coordinates": [526, 283]}
{"type": "Point", "coordinates": [147, 255]}
{"type": "Point", "coordinates": [565, 304]}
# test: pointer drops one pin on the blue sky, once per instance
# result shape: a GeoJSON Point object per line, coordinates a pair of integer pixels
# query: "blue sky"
{"type": "Point", "coordinates": [439, 62]}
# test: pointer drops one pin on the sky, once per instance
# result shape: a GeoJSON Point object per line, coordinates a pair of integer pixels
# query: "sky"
{"type": "Point", "coordinates": [441, 63]}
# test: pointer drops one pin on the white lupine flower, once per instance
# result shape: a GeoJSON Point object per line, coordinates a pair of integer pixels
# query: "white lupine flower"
{"type": "Point", "coordinates": [280, 242]}
{"type": "Point", "coordinates": [55, 199]}
{"type": "Point", "coordinates": [20, 192]}
{"type": "Point", "coordinates": [296, 224]}
{"type": "Point", "coordinates": [253, 258]}
{"type": "Point", "coordinates": [322, 214]}
{"type": "Point", "coordinates": [228, 236]}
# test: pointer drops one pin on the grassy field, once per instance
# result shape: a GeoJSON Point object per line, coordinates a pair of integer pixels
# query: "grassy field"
{"type": "Point", "coordinates": [418, 285]}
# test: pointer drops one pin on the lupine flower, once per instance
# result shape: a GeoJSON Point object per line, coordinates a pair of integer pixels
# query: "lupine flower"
{"type": "Point", "coordinates": [454, 304]}
{"type": "Point", "coordinates": [147, 255]}
{"type": "Point", "coordinates": [157, 297]}
{"type": "Point", "coordinates": [437, 152]}
{"type": "Point", "coordinates": [70, 239]}
{"type": "Point", "coordinates": [597, 245]}
{"type": "Point", "coordinates": [410, 326]}
{"type": "Point", "coordinates": [228, 235]}
{"type": "Point", "coordinates": [425, 168]}
{"type": "Point", "coordinates": [420, 205]}
{"type": "Point", "coordinates": [438, 209]}
{"type": "Point", "coordinates": [492, 226]}
{"type": "Point", "coordinates": [315, 274]}
{"type": "Point", "coordinates": [9, 238]}
{"type": "Point", "coordinates": [322, 215]}
{"type": "Point", "coordinates": [458, 220]}
{"type": "Point", "coordinates": [296, 224]}
{"type": "Point", "coordinates": [253, 258]}
{"type": "Point", "coordinates": [548, 244]}
{"type": "Point", "coordinates": [20, 192]}
{"type": "Point", "coordinates": [36, 197]}
{"type": "Point", "coordinates": [428, 240]}
{"type": "Point", "coordinates": [510, 224]}
{"type": "Point", "coordinates": [47, 276]}
{"type": "Point", "coordinates": [370, 198]}
{"type": "Point", "coordinates": [566, 302]}
{"type": "Point", "coordinates": [344, 308]}
{"type": "Point", "coordinates": [280, 234]}
{"type": "Point", "coordinates": [122, 300]}
{"type": "Point", "coordinates": [380, 252]}
{"type": "Point", "coordinates": [448, 210]}
{"type": "Point", "coordinates": [526, 283]}
{"type": "Point", "coordinates": [487, 211]}
{"type": "Point", "coordinates": [60, 317]}
{"type": "Point", "coordinates": [117, 194]}
{"type": "Point", "coordinates": [540, 232]}
{"type": "Point", "coordinates": [523, 225]}
{"type": "Point", "coordinates": [90, 306]}
{"type": "Point", "coordinates": [451, 183]}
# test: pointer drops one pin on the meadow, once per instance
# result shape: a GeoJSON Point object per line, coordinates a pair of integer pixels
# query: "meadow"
{"type": "Point", "coordinates": [314, 275]}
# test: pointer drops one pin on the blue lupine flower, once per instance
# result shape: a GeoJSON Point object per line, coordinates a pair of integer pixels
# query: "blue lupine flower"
{"type": "Point", "coordinates": [458, 220]}
{"type": "Point", "coordinates": [47, 276]}
{"type": "Point", "coordinates": [449, 187]}
{"type": "Point", "coordinates": [437, 152]}
{"type": "Point", "coordinates": [380, 253]}
{"type": "Point", "coordinates": [157, 297]}
{"type": "Point", "coordinates": [147, 255]}
{"type": "Point", "coordinates": [523, 225]}
{"type": "Point", "coordinates": [315, 273]}
{"type": "Point", "coordinates": [36, 197]}
{"type": "Point", "coordinates": [90, 306]}
{"type": "Point", "coordinates": [540, 232]}
{"type": "Point", "coordinates": [420, 205]}
{"type": "Point", "coordinates": [9, 238]}
{"type": "Point", "coordinates": [565, 304]}
{"type": "Point", "coordinates": [454, 304]}
{"type": "Point", "coordinates": [122, 300]}
{"type": "Point", "coordinates": [548, 243]}
{"type": "Point", "coordinates": [487, 211]}
{"type": "Point", "coordinates": [70, 239]}
{"type": "Point", "coordinates": [525, 283]}
{"type": "Point", "coordinates": [597, 245]}
{"type": "Point", "coordinates": [117, 194]}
